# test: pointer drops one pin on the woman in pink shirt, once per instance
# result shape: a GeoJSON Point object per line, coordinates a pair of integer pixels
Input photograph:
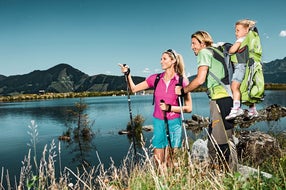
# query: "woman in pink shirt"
{"type": "Point", "coordinates": [166, 106]}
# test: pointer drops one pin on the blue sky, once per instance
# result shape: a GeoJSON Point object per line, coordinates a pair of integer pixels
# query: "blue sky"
{"type": "Point", "coordinates": [94, 36]}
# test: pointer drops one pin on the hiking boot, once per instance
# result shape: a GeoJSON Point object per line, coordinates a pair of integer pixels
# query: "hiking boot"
{"type": "Point", "coordinates": [252, 114]}
{"type": "Point", "coordinates": [234, 113]}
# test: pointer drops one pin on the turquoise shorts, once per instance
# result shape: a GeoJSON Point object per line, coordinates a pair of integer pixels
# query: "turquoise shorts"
{"type": "Point", "coordinates": [160, 136]}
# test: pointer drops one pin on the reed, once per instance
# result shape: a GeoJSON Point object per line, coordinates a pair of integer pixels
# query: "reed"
{"type": "Point", "coordinates": [131, 175]}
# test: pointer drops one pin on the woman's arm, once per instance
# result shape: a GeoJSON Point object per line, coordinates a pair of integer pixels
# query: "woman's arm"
{"type": "Point", "coordinates": [134, 88]}
{"type": "Point", "coordinates": [188, 107]}
{"type": "Point", "coordinates": [137, 87]}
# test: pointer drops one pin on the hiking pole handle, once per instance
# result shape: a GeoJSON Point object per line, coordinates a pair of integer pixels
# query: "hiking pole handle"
{"type": "Point", "coordinates": [164, 111]}
{"type": "Point", "coordinates": [167, 124]}
{"type": "Point", "coordinates": [167, 108]}
{"type": "Point", "coordinates": [182, 93]}
{"type": "Point", "coordinates": [128, 70]}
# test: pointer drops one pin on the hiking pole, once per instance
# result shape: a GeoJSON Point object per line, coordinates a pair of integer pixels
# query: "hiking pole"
{"type": "Point", "coordinates": [130, 111]}
{"type": "Point", "coordinates": [167, 126]}
{"type": "Point", "coordinates": [184, 128]}
{"type": "Point", "coordinates": [167, 133]}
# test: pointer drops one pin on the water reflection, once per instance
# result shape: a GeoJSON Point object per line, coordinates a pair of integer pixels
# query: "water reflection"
{"type": "Point", "coordinates": [79, 134]}
{"type": "Point", "coordinates": [38, 112]}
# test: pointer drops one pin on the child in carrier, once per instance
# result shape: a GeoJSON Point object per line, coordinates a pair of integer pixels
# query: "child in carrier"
{"type": "Point", "coordinates": [242, 27]}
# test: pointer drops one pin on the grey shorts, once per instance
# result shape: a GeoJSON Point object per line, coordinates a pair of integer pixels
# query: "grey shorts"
{"type": "Point", "coordinates": [239, 72]}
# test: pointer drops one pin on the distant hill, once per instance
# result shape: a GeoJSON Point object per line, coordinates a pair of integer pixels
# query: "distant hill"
{"type": "Point", "coordinates": [275, 71]}
{"type": "Point", "coordinates": [2, 77]}
{"type": "Point", "coordinates": [60, 78]}
{"type": "Point", "coordinates": [65, 78]}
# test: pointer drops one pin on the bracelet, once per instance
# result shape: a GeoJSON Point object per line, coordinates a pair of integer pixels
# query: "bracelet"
{"type": "Point", "coordinates": [169, 108]}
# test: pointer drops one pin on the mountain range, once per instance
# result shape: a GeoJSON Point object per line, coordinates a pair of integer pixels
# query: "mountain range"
{"type": "Point", "coordinates": [64, 78]}
{"type": "Point", "coordinates": [275, 71]}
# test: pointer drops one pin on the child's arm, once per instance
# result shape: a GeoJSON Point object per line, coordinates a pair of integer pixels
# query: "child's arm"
{"type": "Point", "coordinates": [233, 49]}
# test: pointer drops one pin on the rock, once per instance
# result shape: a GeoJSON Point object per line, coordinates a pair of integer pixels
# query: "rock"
{"type": "Point", "coordinates": [255, 147]}
{"type": "Point", "coordinates": [197, 123]}
{"type": "Point", "coordinates": [64, 138]}
{"type": "Point", "coordinates": [147, 128]}
{"type": "Point", "coordinates": [200, 151]}
{"type": "Point", "coordinates": [247, 171]}
{"type": "Point", "coordinates": [123, 132]}
{"type": "Point", "coordinates": [252, 146]}
{"type": "Point", "coordinates": [271, 113]}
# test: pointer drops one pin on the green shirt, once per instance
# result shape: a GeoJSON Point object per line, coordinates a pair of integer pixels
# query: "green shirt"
{"type": "Point", "coordinates": [216, 90]}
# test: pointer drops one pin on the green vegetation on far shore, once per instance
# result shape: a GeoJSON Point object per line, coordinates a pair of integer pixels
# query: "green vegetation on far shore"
{"type": "Point", "coordinates": [50, 95]}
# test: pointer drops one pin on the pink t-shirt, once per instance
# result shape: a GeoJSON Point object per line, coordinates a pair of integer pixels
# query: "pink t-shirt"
{"type": "Point", "coordinates": [165, 92]}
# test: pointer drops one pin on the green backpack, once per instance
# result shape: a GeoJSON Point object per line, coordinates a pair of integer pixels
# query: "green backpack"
{"type": "Point", "coordinates": [220, 53]}
{"type": "Point", "coordinates": [252, 86]}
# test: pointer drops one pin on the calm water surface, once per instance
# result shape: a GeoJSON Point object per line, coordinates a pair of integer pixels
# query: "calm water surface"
{"type": "Point", "coordinates": [110, 115]}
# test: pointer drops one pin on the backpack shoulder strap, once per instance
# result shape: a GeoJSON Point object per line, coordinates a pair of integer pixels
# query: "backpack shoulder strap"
{"type": "Point", "coordinates": [226, 87]}
{"type": "Point", "coordinates": [155, 85]}
{"type": "Point", "coordinates": [222, 56]}
{"type": "Point", "coordinates": [216, 54]}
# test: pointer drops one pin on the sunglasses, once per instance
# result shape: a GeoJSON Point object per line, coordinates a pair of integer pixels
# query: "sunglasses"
{"type": "Point", "coordinates": [173, 53]}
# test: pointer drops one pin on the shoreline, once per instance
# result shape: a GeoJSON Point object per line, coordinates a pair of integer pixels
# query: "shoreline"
{"type": "Point", "coordinates": [51, 95]}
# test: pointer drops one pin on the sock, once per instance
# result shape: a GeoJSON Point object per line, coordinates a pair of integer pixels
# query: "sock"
{"type": "Point", "coordinates": [252, 108]}
{"type": "Point", "coordinates": [236, 104]}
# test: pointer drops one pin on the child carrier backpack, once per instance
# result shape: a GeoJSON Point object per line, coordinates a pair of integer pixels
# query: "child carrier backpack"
{"type": "Point", "coordinates": [252, 86]}
{"type": "Point", "coordinates": [156, 83]}
{"type": "Point", "coordinates": [220, 53]}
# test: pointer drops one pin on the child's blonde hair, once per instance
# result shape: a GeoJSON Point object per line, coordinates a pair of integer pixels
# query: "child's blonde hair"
{"type": "Point", "coordinates": [247, 23]}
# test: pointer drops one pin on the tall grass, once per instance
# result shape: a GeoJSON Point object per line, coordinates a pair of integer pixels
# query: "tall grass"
{"type": "Point", "coordinates": [134, 173]}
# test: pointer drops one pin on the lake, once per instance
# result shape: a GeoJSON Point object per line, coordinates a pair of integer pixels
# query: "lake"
{"type": "Point", "coordinates": [109, 114]}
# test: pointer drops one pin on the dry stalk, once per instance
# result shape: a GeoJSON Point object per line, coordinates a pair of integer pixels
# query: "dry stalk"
{"type": "Point", "coordinates": [78, 178]}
